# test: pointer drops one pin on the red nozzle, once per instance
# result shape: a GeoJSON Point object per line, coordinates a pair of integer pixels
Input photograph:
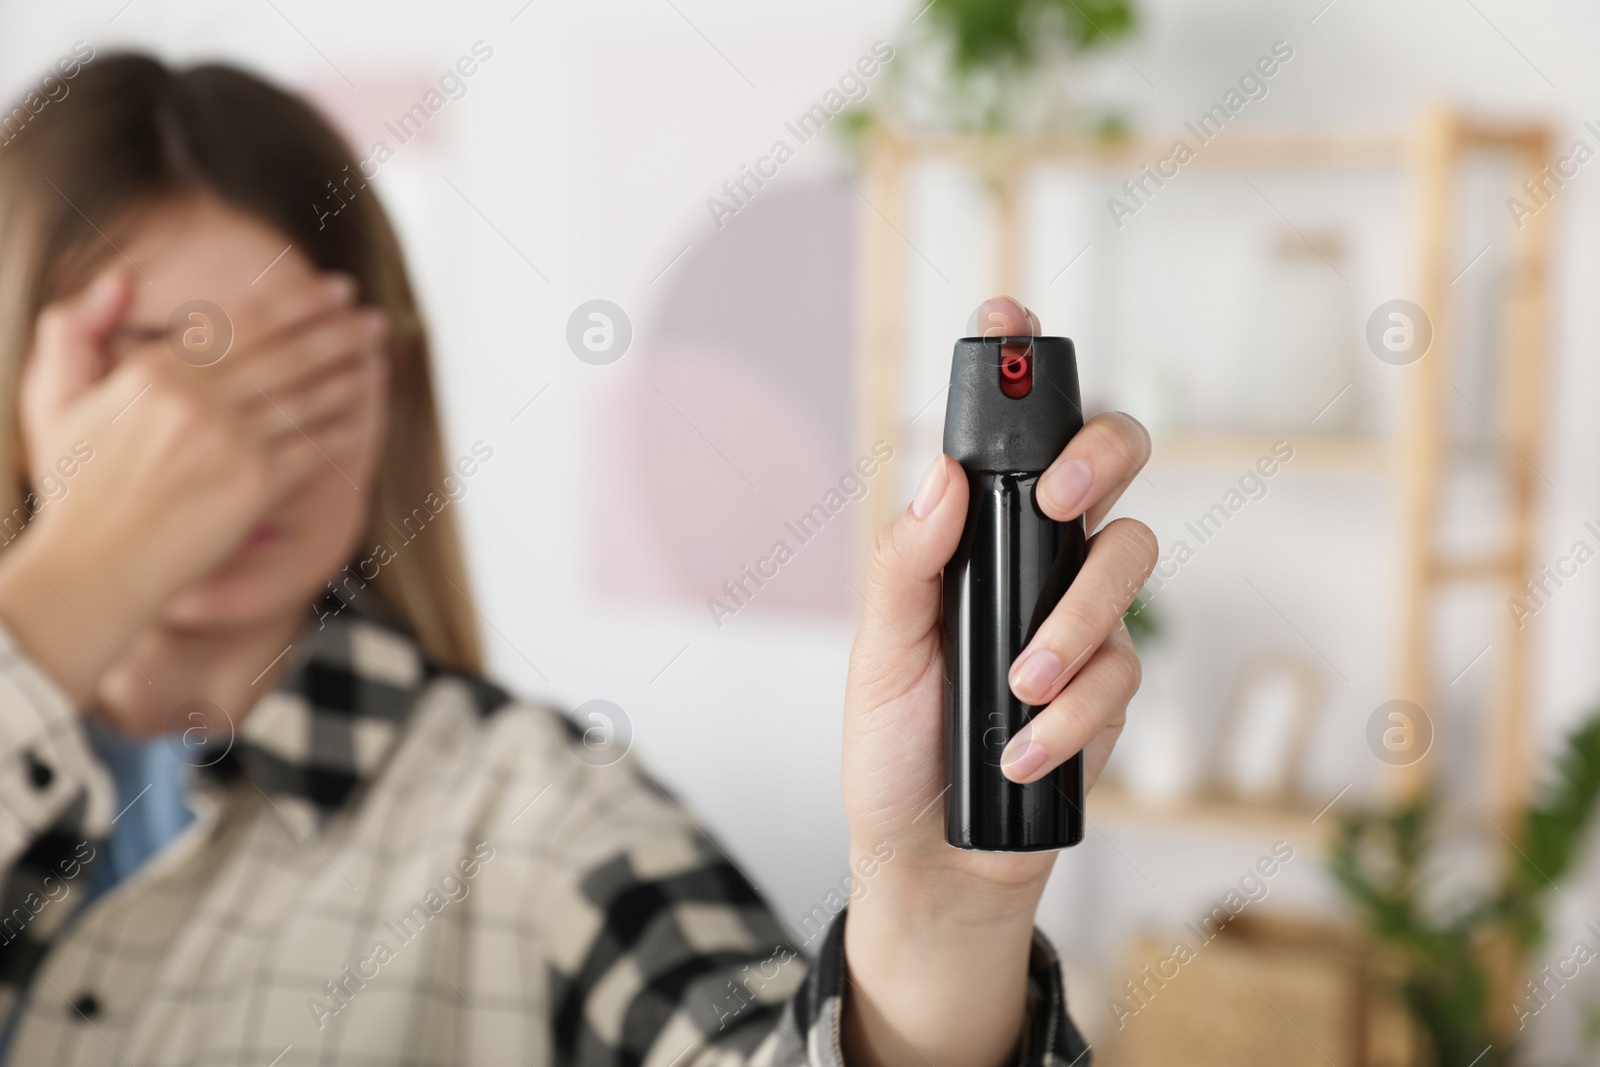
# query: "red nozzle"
{"type": "Point", "coordinates": [1016, 370]}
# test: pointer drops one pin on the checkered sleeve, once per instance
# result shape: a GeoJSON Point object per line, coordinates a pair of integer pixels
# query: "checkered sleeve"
{"type": "Point", "coordinates": [679, 963]}
{"type": "Point", "coordinates": [55, 810]}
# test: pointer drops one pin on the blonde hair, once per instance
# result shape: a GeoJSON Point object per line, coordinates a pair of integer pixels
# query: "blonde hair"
{"type": "Point", "coordinates": [131, 132]}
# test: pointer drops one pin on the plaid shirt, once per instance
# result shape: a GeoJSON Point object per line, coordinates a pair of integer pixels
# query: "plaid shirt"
{"type": "Point", "coordinates": [393, 864]}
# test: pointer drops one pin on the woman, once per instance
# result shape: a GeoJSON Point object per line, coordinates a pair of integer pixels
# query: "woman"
{"type": "Point", "coordinates": [377, 856]}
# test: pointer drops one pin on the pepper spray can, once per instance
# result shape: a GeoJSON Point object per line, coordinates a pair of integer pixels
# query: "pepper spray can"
{"type": "Point", "coordinates": [1013, 406]}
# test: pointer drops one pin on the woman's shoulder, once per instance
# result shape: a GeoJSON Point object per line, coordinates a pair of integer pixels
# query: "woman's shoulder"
{"type": "Point", "coordinates": [597, 734]}
{"type": "Point", "coordinates": [364, 708]}
{"type": "Point", "coordinates": [545, 770]}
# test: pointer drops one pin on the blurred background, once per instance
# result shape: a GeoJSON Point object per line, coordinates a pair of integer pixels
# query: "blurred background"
{"type": "Point", "coordinates": [688, 261]}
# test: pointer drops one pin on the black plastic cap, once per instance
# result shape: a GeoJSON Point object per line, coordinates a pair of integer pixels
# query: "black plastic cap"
{"type": "Point", "coordinates": [986, 430]}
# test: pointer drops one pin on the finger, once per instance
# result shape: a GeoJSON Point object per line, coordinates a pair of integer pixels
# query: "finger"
{"type": "Point", "coordinates": [1100, 461]}
{"type": "Point", "coordinates": [314, 350]}
{"type": "Point", "coordinates": [70, 343]}
{"type": "Point", "coordinates": [339, 393]}
{"type": "Point", "coordinates": [1096, 700]}
{"type": "Point", "coordinates": [903, 588]}
{"type": "Point", "coordinates": [1120, 559]}
{"type": "Point", "coordinates": [299, 457]}
{"type": "Point", "coordinates": [342, 437]}
{"type": "Point", "coordinates": [1003, 316]}
{"type": "Point", "coordinates": [260, 319]}
{"type": "Point", "coordinates": [1097, 753]}
{"type": "Point", "coordinates": [296, 460]}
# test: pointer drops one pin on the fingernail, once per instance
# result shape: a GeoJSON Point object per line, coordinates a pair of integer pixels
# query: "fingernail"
{"type": "Point", "coordinates": [339, 287]}
{"type": "Point", "coordinates": [1066, 484]}
{"type": "Point", "coordinates": [376, 323]}
{"type": "Point", "coordinates": [995, 319]}
{"type": "Point", "coordinates": [1022, 757]}
{"type": "Point", "coordinates": [931, 490]}
{"type": "Point", "coordinates": [1034, 674]}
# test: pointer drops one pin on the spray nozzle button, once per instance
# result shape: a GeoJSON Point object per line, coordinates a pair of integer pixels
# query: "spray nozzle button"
{"type": "Point", "coordinates": [1016, 370]}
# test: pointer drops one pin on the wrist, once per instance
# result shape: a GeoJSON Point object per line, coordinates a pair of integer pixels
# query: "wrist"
{"type": "Point", "coordinates": [915, 919]}
{"type": "Point", "coordinates": [69, 619]}
{"type": "Point", "coordinates": [940, 955]}
{"type": "Point", "coordinates": [919, 892]}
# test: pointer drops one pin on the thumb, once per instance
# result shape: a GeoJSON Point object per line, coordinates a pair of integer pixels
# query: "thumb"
{"type": "Point", "coordinates": [899, 629]}
{"type": "Point", "coordinates": [69, 351]}
{"type": "Point", "coordinates": [1002, 316]}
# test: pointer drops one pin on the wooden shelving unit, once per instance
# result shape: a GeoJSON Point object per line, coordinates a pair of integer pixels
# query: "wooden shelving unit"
{"type": "Point", "coordinates": [1445, 142]}
{"type": "Point", "coordinates": [1298, 825]}
{"type": "Point", "coordinates": [1355, 455]}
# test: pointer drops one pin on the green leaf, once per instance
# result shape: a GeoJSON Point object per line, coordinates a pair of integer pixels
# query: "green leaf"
{"type": "Point", "coordinates": [1378, 857]}
{"type": "Point", "coordinates": [994, 34]}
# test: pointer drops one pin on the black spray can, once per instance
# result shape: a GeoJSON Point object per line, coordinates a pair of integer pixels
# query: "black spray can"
{"type": "Point", "coordinates": [1013, 407]}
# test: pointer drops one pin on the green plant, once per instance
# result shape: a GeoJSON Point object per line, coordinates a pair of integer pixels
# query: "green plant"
{"type": "Point", "coordinates": [989, 34]}
{"type": "Point", "coordinates": [1142, 621]}
{"type": "Point", "coordinates": [993, 65]}
{"type": "Point", "coordinates": [1447, 953]}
